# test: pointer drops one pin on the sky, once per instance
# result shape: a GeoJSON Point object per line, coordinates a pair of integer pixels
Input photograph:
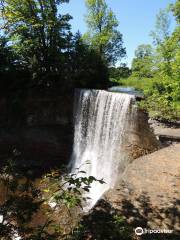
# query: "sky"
{"type": "Point", "coordinates": [136, 20]}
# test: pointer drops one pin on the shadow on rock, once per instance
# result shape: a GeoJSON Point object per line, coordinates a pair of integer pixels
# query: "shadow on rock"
{"type": "Point", "coordinates": [109, 223]}
{"type": "Point", "coordinates": [142, 213]}
{"type": "Point", "coordinates": [103, 222]}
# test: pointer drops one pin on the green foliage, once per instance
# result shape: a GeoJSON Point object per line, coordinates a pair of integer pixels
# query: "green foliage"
{"type": "Point", "coordinates": [162, 27]}
{"type": "Point", "coordinates": [164, 97]}
{"type": "Point", "coordinates": [24, 199]}
{"type": "Point", "coordinates": [142, 65]}
{"type": "Point", "coordinates": [121, 227]}
{"type": "Point", "coordinates": [143, 50]}
{"type": "Point", "coordinates": [39, 53]}
{"type": "Point", "coordinates": [68, 189]}
{"type": "Point", "coordinates": [38, 35]}
{"type": "Point", "coordinates": [39, 56]}
{"type": "Point", "coordinates": [176, 10]}
{"type": "Point", "coordinates": [142, 84]}
{"type": "Point", "coordinates": [21, 199]}
{"type": "Point", "coordinates": [160, 107]}
{"type": "Point", "coordinates": [119, 72]}
{"type": "Point", "coordinates": [102, 34]}
{"type": "Point", "coordinates": [87, 68]}
{"type": "Point", "coordinates": [103, 223]}
{"type": "Point", "coordinates": [163, 101]}
{"type": "Point", "coordinates": [5, 55]}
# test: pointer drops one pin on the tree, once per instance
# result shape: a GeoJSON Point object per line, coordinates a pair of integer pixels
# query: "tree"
{"type": "Point", "coordinates": [142, 64]}
{"type": "Point", "coordinates": [38, 35]}
{"type": "Point", "coordinates": [164, 97]}
{"type": "Point", "coordinates": [122, 71]}
{"type": "Point", "coordinates": [160, 36]}
{"type": "Point", "coordinates": [143, 50]}
{"type": "Point", "coordinates": [5, 55]}
{"type": "Point", "coordinates": [45, 49]}
{"type": "Point", "coordinates": [86, 68]}
{"type": "Point", "coordinates": [102, 34]}
{"type": "Point", "coordinates": [176, 10]}
{"type": "Point", "coordinates": [162, 27]}
{"type": "Point", "coordinates": [175, 41]}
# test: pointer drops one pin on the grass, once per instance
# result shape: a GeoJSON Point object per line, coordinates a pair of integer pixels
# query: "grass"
{"type": "Point", "coordinates": [155, 105]}
{"type": "Point", "coordinates": [142, 84]}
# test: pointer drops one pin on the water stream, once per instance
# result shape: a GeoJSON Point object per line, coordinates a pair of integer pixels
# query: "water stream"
{"type": "Point", "coordinates": [100, 121]}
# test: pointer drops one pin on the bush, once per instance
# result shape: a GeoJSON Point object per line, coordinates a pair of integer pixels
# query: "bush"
{"type": "Point", "coordinates": [24, 199]}
{"type": "Point", "coordinates": [162, 96]}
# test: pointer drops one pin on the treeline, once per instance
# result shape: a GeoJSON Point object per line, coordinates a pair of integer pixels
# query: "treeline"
{"type": "Point", "coordinates": [161, 63]}
{"type": "Point", "coordinates": [40, 55]}
{"type": "Point", "coordinates": [156, 67]}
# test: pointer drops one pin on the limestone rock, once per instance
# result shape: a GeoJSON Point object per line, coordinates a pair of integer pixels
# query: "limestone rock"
{"type": "Point", "coordinates": [153, 199]}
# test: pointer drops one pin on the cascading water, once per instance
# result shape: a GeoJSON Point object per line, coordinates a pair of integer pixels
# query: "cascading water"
{"type": "Point", "coordinates": [100, 121]}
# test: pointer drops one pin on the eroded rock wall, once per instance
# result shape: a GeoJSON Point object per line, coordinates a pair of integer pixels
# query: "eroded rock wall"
{"type": "Point", "coordinates": [139, 138]}
{"type": "Point", "coordinates": [42, 129]}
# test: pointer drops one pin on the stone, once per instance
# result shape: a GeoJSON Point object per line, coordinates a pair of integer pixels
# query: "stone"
{"type": "Point", "coordinates": [139, 139]}
{"type": "Point", "coordinates": [153, 199]}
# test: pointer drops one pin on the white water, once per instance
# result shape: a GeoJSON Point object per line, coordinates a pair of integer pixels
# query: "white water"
{"type": "Point", "coordinates": [101, 118]}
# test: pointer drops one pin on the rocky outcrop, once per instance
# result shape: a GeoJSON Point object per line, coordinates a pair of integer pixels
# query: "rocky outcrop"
{"type": "Point", "coordinates": [148, 193]}
{"type": "Point", "coordinates": [146, 196]}
{"type": "Point", "coordinates": [139, 138]}
{"type": "Point", "coordinates": [167, 133]}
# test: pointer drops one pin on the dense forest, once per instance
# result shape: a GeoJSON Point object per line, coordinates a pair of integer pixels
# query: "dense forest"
{"type": "Point", "coordinates": [40, 54]}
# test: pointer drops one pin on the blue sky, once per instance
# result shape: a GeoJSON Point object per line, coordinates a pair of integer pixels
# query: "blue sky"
{"type": "Point", "coordinates": [136, 19]}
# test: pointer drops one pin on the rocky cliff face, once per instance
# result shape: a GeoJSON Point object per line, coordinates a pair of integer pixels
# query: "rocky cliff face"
{"type": "Point", "coordinates": [139, 138]}
{"type": "Point", "coordinates": [42, 131]}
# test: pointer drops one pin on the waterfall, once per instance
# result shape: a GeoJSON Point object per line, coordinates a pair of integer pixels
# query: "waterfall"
{"type": "Point", "coordinates": [100, 120]}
